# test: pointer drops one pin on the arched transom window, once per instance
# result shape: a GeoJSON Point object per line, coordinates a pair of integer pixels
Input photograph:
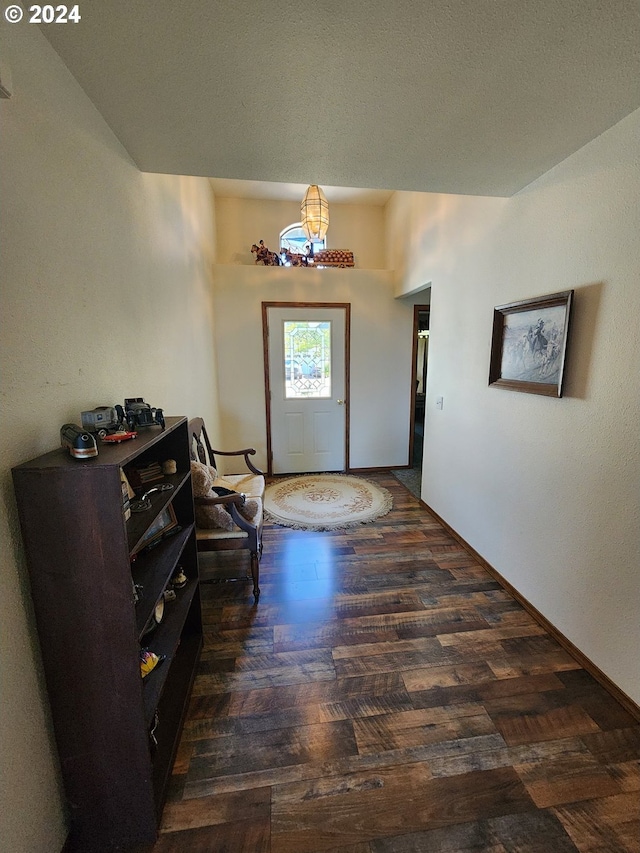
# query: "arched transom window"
{"type": "Point", "coordinates": [294, 240]}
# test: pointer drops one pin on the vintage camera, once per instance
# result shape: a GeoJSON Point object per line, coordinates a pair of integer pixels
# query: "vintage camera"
{"type": "Point", "coordinates": [103, 419]}
{"type": "Point", "coordinates": [80, 443]}
{"type": "Point", "coordinates": [140, 414]}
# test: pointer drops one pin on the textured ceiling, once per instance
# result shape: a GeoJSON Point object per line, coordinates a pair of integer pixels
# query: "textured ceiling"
{"type": "Point", "coordinates": [460, 96]}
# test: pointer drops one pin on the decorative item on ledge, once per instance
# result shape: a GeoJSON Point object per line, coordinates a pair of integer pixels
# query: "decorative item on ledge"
{"type": "Point", "coordinates": [340, 258]}
{"type": "Point", "coordinates": [334, 258]}
{"type": "Point", "coordinates": [293, 259]}
{"type": "Point", "coordinates": [265, 256]}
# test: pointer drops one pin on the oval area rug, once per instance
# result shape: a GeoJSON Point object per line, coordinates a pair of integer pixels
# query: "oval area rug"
{"type": "Point", "coordinates": [325, 502]}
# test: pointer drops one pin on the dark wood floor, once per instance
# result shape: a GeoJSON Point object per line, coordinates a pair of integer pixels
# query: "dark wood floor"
{"type": "Point", "coordinates": [387, 696]}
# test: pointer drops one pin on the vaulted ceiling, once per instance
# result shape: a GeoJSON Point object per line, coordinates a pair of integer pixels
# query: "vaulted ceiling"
{"type": "Point", "coordinates": [459, 96]}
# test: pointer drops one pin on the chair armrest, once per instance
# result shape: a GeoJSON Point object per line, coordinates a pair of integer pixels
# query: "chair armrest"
{"type": "Point", "coordinates": [236, 498]}
{"type": "Point", "coordinates": [244, 524]}
{"type": "Point", "coordinates": [232, 503]}
{"type": "Point", "coordinates": [246, 453]}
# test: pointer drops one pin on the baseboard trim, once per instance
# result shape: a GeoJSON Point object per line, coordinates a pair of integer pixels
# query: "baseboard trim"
{"type": "Point", "coordinates": [379, 470]}
{"type": "Point", "coordinates": [611, 687]}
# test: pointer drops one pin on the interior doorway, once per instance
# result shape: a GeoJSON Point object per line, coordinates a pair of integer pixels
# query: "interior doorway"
{"type": "Point", "coordinates": [421, 315]}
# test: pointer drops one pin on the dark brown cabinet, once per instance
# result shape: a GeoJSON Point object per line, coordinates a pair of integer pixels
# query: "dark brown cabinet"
{"type": "Point", "coordinates": [117, 733]}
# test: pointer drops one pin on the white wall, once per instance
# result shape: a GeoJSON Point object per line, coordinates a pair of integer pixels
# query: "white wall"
{"type": "Point", "coordinates": [547, 490]}
{"type": "Point", "coordinates": [241, 222]}
{"type": "Point", "coordinates": [105, 294]}
{"type": "Point", "coordinates": [381, 340]}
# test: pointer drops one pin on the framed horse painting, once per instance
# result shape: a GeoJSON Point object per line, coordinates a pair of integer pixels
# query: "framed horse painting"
{"type": "Point", "coordinates": [529, 344]}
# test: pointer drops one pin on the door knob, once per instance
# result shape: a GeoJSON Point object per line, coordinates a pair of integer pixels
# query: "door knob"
{"type": "Point", "coordinates": [340, 402]}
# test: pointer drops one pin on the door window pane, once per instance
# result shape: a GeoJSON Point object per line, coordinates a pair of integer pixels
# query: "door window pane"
{"type": "Point", "coordinates": [307, 359]}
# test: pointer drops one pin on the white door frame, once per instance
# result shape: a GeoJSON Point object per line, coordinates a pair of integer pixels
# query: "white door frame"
{"type": "Point", "coordinates": [346, 306]}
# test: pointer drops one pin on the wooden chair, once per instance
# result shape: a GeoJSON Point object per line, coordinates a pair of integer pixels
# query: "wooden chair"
{"type": "Point", "coordinates": [247, 534]}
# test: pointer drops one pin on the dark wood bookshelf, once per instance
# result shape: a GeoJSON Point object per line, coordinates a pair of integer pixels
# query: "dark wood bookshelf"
{"type": "Point", "coordinates": [117, 733]}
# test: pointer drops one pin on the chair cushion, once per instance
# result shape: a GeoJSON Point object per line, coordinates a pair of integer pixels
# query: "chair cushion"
{"type": "Point", "coordinates": [251, 484]}
{"type": "Point", "coordinates": [232, 532]}
{"type": "Point", "coordinates": [217, 533]}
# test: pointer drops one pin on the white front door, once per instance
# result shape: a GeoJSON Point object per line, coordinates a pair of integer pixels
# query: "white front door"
{"type": "Point", "coordinates": [307, 382]}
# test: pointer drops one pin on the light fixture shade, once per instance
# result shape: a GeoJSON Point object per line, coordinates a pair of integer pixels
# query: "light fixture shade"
{"type": "Point", "coordinates": [314, 213]}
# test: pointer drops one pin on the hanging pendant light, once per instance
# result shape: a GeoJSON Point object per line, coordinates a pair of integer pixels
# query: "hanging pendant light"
{"type": "Point", "coordinates": [314, 213]}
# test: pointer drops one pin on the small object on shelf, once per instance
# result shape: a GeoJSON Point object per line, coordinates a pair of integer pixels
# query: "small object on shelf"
{"type": "Point", "coordinates": [165, 525]}
{"type": "Point", "coordinates": [139, 477]}
{"type": "Point", "coordinates": [137, 590]}
{"type": "Point", "coordinates": [169, 595]}
{"type": "Point", "coordinates": [149, 661]}
{"type": "Point", "coordinates": [127, 495]}
{"type": "Point", "coordinates": [179, 579]}
{"type": "Point", "coordinates": [123, 479]}
{"type": "Point", "coordinates": [117, 437]}
{"type": "Point", "coordinates": [166, 534]}
{"type": "Point", "coordinates": [102, 419]}
{"type": "Point", "coordinates": [144, 501]}
{"type": "Point", "coordinates": [79, 442]}
{"type": "Point", "coordinates": [107, 422]}
{"type": "Point", "coordinates": [169, 467]}
{"type": "Point", "coordinates": [139, 414]}
{"type": "Point", "coordinates": [158, 611]}
{"type": "Point", "coordinates": [157, 617]}
{"type": "Point", "coordinates": [153, 729]}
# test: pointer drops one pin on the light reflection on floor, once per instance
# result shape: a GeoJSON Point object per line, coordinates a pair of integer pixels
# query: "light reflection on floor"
{"type": "Point", "coordinates": [319, 585]}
